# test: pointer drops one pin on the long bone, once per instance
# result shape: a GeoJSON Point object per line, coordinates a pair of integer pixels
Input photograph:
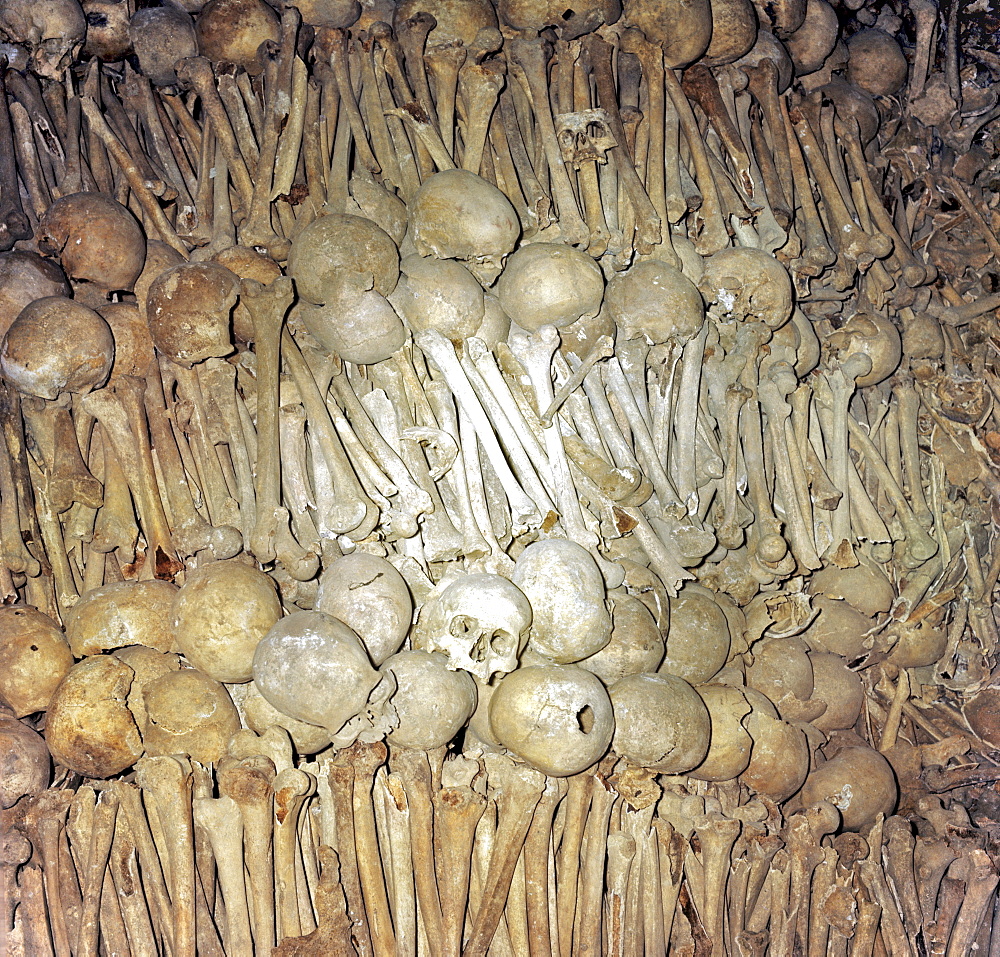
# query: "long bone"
{"type": "Point", "coordinates": [850, 239]}
{"type": "Point", "coordinates": [257, 227]}
{"type": "Point", "coordinates": [146, 862]}
{"type": "Point", "coordinates": [816, 252]}
{"type": "Point", "coordinates": [132, 449]}
{"type": "Point", "coordinates": [540, 919]}
{"type": "Point", "coordinates": [189, 531]}
{"type": "Point", "coordinates": [14, 222]}
{"type": "Point", "coordinates": [354, 513]}
{"type": "Point", "coordinates": [268, 306]}
{"type": "Point", "coordinates": [168, 782]}
{"type": "Point", "coordinates": [517, 791]}
{"type": "Point", "coordinates": [101, 837]}
{"type": "Point", "coordinates": [441, 352]}
{"type": "Point", "coordinates": [779, 382]}
{"type": "Point", "coordinates": [920, 545]}
{"type": "Point", "coordinates": [414, 770]}
{"type": "Point", "coordinates": [837, 387]}
{"type": "Point", "coordinates": [457, 810]}
{"type": "Point", "coordinates": [649, 228]}
{"type": "Point", "coordinates": [394, 839]}
{"type": "Point", "coordinates": [366, 759]}
{"type": "Point", "coordinates": [249, 782]}
{"type": "Point", "coordinates": [527, 60]}
{"type": "Point", "coordinates": [292, 787]}
{"type": "Point", "coordinates": [515, 172]}
{"type": "Point", "coordinates": [701, 85]}
{"type": "Point", "coordinates": [218, 379]}
{"type": "Point", "coordinates": [587, 936]}
{"type": "Point", "coordinates": [898, 856]}
{"type": "Point", "coordinates": [222, 819]}
{"type": "Point", "coordinates": [296, 486]}
{"type": "Point", "coordinates": [441, 539]}
{"type": "Point", "coordinates": [43, 823]}
{"type": "Point", "coordinates": [475, 544]}
{"type": "Point", "coordinates": [479, 93]}
{"type": "Point", "coordinates": [67, 477]}
{"type": "Point", "coordinates": [196, 72]}
{"type": "Point", "coordinates": [66, 589]}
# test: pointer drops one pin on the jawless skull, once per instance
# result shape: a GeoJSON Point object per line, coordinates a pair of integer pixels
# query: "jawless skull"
{"type": "Point", "coordinates": [480, 622]}
{"type": "Point", "coordinates": [52, 30]}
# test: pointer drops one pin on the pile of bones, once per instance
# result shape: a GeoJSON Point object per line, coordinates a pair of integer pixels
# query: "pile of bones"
{"type": "Point", "coordinates": [513, 478]}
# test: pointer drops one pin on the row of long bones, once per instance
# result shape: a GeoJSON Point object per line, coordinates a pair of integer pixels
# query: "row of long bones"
{"type": "Point", "coordinates": [748, 442]}
{"type": "Point", "coordinates": [352, 854]}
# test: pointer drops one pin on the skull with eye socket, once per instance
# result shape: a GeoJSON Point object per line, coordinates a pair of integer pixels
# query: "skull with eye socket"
{"type": "Point", "coordinates": [480, 622]}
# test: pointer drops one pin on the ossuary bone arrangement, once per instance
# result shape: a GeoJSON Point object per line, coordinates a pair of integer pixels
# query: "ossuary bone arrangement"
{"type": "Point", "coordinates": [499, 477]}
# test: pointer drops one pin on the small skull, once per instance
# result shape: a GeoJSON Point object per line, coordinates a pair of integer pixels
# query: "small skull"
{"type": "Point", "coordinates": [53, 30]}
{"type": "Point", "coordinates": [480, 622]}
{"type": "Point", "coordinates": [584, 136]}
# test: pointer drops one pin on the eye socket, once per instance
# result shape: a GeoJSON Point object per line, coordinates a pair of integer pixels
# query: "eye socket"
{"type": "Point", "coordinates": [462, 626]}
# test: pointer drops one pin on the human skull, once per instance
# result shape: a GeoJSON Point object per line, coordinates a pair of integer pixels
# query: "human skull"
{"type": "Point", "coordinates": [480, 622]}
{"type": "Point", "coordinates": [750, 284]}
{"type": "Point", "coordinates": [53, 30]}
{"type": "Point", "coordinates": [189, 309]}
{"type": "Point", "coordinates": [458, 215]}
{"type": "Point", "coordinates": [313, 667]}
{"type": "Point", "coordinates": [584, 136]}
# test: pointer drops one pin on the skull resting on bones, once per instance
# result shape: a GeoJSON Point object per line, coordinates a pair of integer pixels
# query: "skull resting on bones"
{"type": "Point", "coordinates": [53, 30]}
{"type": "Point", "coordinates": [313, 667]}
{"type": "Point", "coordinates": [480, 622]}
{"type": "Point", "coordinates": [584, 136]}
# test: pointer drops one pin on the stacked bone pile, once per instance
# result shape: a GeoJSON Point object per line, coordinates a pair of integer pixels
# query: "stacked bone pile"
{"type": "Point", "coordinates": [510, 479]}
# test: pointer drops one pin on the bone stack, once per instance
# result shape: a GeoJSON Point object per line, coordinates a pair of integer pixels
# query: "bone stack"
{"type": "Point", "coordinates": [499, 478]}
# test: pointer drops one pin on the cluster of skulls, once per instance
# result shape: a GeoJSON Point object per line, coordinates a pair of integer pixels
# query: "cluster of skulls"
{"type": "Point", "coordinates": [339, 666]}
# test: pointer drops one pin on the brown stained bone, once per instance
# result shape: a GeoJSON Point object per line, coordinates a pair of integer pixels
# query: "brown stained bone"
{"type": "Point", "coordinates": [68, 479]}
{"type": "Point", "coordinates": [457, 810]}
{"type": "Point", "coordinates": [366, 759]}
{"type": "Point", "coordinates": [341, 777]}
{"type": "Point", "coordinates": [518, 789]}
{"type": "Point", "coordinates": [479, 93]}
{"type": "Point", "coordinates": [332, 937]}
{"type": "Point", "coordinates": [14, 223]}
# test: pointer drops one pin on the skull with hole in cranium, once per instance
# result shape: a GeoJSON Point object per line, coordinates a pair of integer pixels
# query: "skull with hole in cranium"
{"type": "Point", "coordinates": [480, 622]}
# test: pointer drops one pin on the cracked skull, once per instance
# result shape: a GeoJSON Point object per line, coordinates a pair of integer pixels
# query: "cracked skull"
{"type": "Point", "coordinates": [53, 31]}
{"type": "Point", "coordinates": [480, 622]}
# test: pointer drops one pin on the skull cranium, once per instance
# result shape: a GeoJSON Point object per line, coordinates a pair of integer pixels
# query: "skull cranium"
{"type": "Point", "coordinates": [53, 30]}
{"type": "Point", "coordinates": [480, 622]}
